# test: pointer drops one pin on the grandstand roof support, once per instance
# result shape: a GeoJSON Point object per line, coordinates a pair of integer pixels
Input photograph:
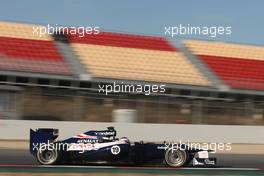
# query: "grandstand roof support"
{"type": "Point", "coordinates": [73, 61]}
{"type": "Point", "coordinates": [217, 82]}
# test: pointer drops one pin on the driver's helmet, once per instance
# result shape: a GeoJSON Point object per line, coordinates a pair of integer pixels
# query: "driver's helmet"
{"type": "Point", "coordinates": [125, 139]}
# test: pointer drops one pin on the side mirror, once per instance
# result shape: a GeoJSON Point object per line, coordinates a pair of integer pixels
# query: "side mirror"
{"type": "Point", "coordinates": [100, 139]}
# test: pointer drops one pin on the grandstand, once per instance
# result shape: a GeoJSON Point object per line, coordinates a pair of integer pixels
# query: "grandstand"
{"type": "Point", "coordinates": [56, 77]}
{"type": "Point", "coordinates": [130, 57]}
{"type": "Point", "coordinates": [24, 52]}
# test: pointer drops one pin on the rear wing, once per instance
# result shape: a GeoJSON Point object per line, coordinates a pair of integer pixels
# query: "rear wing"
{"type": "Point", "coordinates": [41, 136]}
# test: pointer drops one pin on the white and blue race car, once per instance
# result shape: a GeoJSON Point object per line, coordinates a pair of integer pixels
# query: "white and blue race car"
{"type": "Point", "coordinates": [102, 147]}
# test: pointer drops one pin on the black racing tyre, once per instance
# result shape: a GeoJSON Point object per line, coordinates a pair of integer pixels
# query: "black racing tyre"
{"type": "Point", "coordinates": [48, 157]}
{"type": "Point", "coordinates": [176, 157]}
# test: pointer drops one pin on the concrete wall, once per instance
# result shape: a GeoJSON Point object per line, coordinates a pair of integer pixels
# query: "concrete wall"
{"type": "Point", "coordinates": [19, 130]}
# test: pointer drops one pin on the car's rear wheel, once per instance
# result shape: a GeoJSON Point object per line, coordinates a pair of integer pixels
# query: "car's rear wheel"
{"type": "Point", "coordinates": [48, 157]}
{"type": "Point", "coordinates": [175, 157]}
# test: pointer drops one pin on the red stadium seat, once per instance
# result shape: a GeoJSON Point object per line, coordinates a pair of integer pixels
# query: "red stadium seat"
{"type": "Point", "coordinates": [123, 40]}
{"type": "Point", "coordinates": [29, 49]}
{"type": "Point", "coordinates": [239, 73]}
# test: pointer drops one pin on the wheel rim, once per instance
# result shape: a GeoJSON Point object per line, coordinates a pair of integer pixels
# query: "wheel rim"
{"type": "Point", "coordinates": [47, 156]}
{"type": "Point", "coordinates": [176, 158]}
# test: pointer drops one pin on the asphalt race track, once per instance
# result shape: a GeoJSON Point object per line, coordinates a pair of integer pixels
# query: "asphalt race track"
{"type": "Point", "coordinates": [231, 164]}
{"type": "Point", "coordinates": [23, 157]}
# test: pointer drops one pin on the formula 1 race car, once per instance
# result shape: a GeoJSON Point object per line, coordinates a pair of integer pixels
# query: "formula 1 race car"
{"type": "Point", "coordinates": [102, 147]}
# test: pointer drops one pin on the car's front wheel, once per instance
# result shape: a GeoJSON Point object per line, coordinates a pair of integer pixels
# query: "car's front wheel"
{"type": "Point", "coordinates": [175, 157]}
{"type": "Point", "coordinates": [48, 157]}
